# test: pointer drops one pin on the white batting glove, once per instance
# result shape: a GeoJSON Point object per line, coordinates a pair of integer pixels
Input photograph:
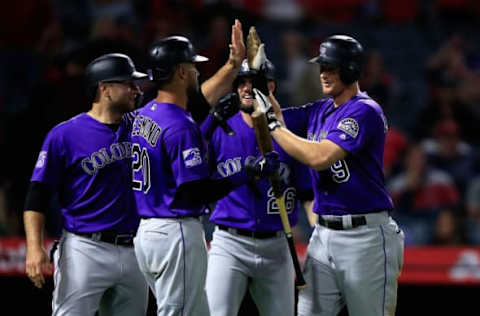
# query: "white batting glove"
{"type": "Point", "coordinates": [266, 107]}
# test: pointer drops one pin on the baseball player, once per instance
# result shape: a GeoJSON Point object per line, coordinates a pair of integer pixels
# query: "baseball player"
{"type": "Point", "coordinates": [355, 253]}
{"type": "Point", "coordinates": [171, 178]}
{"type": "Point", "coordinates": [87, 161]}
{"type": "Point", "coordinates": [248, 249]}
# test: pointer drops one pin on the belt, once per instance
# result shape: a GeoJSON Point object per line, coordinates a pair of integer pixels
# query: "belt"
{"type": "Point", "coordinates": [338, 223]}
{"type": "Point", "coordinates": [249, 233]}
{"type": "Point", "coordinates": [119, 239]}
{"type": "Point", "coordinates": [198, 217]}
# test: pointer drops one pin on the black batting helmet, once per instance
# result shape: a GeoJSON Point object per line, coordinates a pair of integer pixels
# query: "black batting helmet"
{"type": "Point", "coordinates": [164, 55]}
{"type": "Point", "coordinates": [344, 52]}
{"type": "Point", "coordinates": [245, 71]}
{"type": "Point", "coordinates": [110, 67]}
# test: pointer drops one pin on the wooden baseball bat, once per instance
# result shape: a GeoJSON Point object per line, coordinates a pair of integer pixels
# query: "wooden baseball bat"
{"type": "Point", "coordinates": [265, 143]}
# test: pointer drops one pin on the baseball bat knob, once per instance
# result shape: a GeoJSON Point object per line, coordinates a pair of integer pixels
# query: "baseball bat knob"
{"type": "Point", "coordinates": [300, 286]}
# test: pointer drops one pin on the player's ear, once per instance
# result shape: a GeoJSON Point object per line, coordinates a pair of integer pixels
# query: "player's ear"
{"type": "Point", "coordinates": [271, 86]}
{"type": "Point", "coordinates": [182, 71]}
{"type": "Point", "coordinates": [101, 90]}
{"type": "Point", "coordinates": [104, 88]}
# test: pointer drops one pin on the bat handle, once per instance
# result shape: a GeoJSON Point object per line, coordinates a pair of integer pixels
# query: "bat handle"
{"type": "Point", "coordinates": [300, 281]}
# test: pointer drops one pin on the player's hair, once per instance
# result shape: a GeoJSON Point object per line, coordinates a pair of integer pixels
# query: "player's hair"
{"type": "Point", "coordinates": [343, 52]}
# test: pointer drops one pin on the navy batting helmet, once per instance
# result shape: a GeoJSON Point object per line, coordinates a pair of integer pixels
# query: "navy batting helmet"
{"type": "Point", "coordinates": [110, 67]}
{"type": "Point", "coordinates": [245, 71]}
{"type": "Point", "coordinates": [166, 54]}
{"type": "Point", "coordinates": [344, 52]}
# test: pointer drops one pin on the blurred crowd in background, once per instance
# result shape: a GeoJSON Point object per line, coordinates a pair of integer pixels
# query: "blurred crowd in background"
{"type": "Point", "coordinates": [422, 66]}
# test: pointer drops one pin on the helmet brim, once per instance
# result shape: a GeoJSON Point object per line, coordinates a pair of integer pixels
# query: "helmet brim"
{"type": "Point", "coordinates": [315, 60]}
{"type": "Point", "coordinates": [137, 75]}
{"type": "Point", "coordinates": [199, 58]}
{"type": "Point", "coordinates": [324, 60]}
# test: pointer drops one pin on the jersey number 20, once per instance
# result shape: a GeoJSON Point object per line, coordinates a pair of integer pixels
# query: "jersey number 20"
{"type": "Point", "coordinates": [141, 162]}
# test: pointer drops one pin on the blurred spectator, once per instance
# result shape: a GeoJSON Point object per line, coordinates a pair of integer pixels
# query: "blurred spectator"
{"type": "Point", "coordinates": [376, 81]}
{"type": "Point", "coordinates": [340, 11]}
{"type": "Point", "coordinates": [112, 8]}
{"type": "Point", "coordinates": [9, 221]}
{"type": "Point", "coordinates": [422, 189]}
{"type": "Point", "coordinates": [472, 198]}
{"type": "Point", "coordinates": [469, 92]}
{"type": "Point", "coordinates": [443, 104]}
{"type": "Point", "coordinates": [449, 78]}
{"type": "Point", "coordinates": [302, 81]}
{"type": "Point", "coordinates": [286, 11]}
{"type": "Point", "coordinates": [295, 64]}
{"type": "Point", "coordinates": [419, 192]}
{"type": "Point", "coordinates": [215, 46]}
{"type": "Point", "coordinates": [166, 18]}
{"type": "Point", "coordinates": [396, 144]}
{"type": "Point", "coordinates": [447, 151]}
{"type": "Point", "coordinates": [22, 31]}
{"type": "Point", "coordinates": [472, 204]}
{"type": "Point", "coordinates": [447, 229]}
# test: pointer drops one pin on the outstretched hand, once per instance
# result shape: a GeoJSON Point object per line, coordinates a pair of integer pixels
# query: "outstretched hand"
{"type": "Point", "coordinates": [237, 46]}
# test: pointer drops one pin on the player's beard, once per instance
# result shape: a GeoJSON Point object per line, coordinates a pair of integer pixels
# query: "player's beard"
{"type": "Point", "coordinates": [247, 108]}
{"type": "Point", "coordinates": [193, 96]}
{"type": "Point", "coordinates": [192, 88]}
{"type": "Point", "coordinates": [192, 92]}
{"type": "Point", "coordinates": [121, 106]}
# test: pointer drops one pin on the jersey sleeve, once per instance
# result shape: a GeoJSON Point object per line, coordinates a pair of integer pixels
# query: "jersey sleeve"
{"type": "Point", "coordinates": [50, 162]}
{"type": "Point", "coordinates": [129, 117]}
{"type": "Point", "coordinates": [297, 119]}
{"type": "Point", "coordinates": [303, 179]}
{"type": "Point", "coordinates": [356, 128]}
{"type": "Point", "coordinates": [187, 155]}
{"type": "Point", "coordinates": [208, 126]}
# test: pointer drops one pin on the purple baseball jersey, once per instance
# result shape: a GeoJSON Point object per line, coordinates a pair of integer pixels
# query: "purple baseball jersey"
{"type": "Point", "coordinates": [356, 184]}
{"type": "Point", "coordinates": [88, 164]}
{"type": "Point", "coordinates": [253, 206]}
{"type": "Point", "coordinates": [168, 150]}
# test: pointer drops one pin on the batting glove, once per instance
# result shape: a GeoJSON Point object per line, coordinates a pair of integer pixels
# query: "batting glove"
{"type": "Point", "coordinates": [226, 107]}
{"type": "Point", "coordinates": [260, 81]}
{"type": "Point", "coordinates": [263, 166]}
{"type": "Point", "coordinates": [263, 103]}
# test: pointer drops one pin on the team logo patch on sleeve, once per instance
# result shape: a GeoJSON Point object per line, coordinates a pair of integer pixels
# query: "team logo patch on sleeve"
{"type": "Point", "coordinates": [349, 126]}
{"type": "Point", "coordinates": [192, 157]}
{"type": "Point", "coordinates": [41, 159]}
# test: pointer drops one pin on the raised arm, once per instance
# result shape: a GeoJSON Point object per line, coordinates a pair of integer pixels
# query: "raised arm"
{"type": "Point", "coordinates": [221, 82]}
